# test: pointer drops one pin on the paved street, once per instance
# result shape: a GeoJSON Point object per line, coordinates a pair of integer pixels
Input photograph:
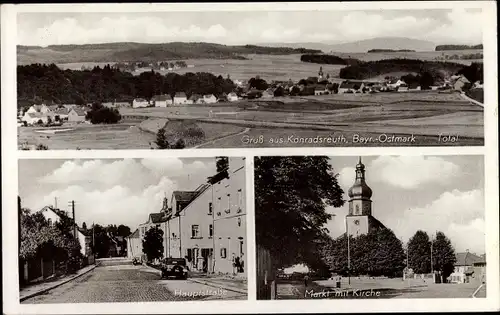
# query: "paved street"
{"type": "Point", "coordinates": [386, 288]}
{"type": "Point", "coordinates": [128, 283]}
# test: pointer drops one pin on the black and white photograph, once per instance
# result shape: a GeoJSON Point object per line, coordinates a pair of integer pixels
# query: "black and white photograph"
{"type": "Point", "coordinates": [132, 230]}
{"type": "Point", "coordinates": [370, 227]}
{"type": "Point", "coordinates": [246, 79]}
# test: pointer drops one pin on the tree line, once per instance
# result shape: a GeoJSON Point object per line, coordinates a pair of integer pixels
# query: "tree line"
{"type": "Point", "coordinates": [328, 59]}
{"type": "Point", "coordinates": [372, 69]}
{"type": "Point", "coordinates": [458, 47]}
{"type": "Point", "coordinates": [39, 83]}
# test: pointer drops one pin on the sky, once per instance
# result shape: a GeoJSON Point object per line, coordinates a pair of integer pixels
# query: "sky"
{"type": "Point", "coordinates": [109, 191]}
{"type": "Point", "coordinates": [429, 193]}
{"type": "Point", "coordinates": [457, 26]}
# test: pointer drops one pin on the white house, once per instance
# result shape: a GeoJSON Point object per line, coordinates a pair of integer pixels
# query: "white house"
{"type": "Point", "coordinates": [393, 84]}
{"type": "Point", "coordinates": [134, 245]}
{"type": "Point", "coordinates": [44, 109]}
{"type": "Point", "coordinates": [163, 100]}
{"type": "Point", "coordinates": [140, 102]}
{"type": "Point", "coordinates": [460, 83]}
{"type": "Point", "coordinates": [209, 99]}
{"type": "Point", "coordinates": [468, 268]}
{"type": "Point", "coordinates": [53, 215]}
{"type": "Point", "coordinates": [35, 118]}
{"type": "Point", "coordinates": [350, 87]}
{"type": "Point", "coordinates": [403, 88]}
{"type": "Point", "coordinates": [77, 115]}
{"type": "Point", "coordinates": [232, 97]}
{"type": "Point", "coordinates": [180, 98]}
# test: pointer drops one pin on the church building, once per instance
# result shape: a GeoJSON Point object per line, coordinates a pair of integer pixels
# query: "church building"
{"type": "Point", "coordinates": [360, 219]}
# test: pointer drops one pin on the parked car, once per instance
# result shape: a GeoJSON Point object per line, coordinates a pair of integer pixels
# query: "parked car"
{"type": "Point", "coordinates": [174, 267]}
{"type": "Point", "coordinates": [136, 261]}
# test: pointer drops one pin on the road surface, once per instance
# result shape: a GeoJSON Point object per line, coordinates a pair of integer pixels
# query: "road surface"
{"type": "Point", "coordinates": [128, 283]}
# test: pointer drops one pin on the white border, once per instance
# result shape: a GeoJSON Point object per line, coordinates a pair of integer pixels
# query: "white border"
{"type": "Point", "coordinates": [10, 155]}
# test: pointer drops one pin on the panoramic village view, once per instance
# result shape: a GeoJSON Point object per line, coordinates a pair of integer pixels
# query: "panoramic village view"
{"type": "Point", "coordinates": [151, 230]}
{"type": "Point", "coordinates": [370, 227]}
{"type": "Point", "coordinates": [210, 82]}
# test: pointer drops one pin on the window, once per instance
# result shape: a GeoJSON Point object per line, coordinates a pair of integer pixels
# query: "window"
{"type": "Point", "coordinates": [240, 199]}
{"type": "Point", "coordinates": [218, 203]}
{"type": "Point", "coordinates": [210, 208]}
{"type": "Point", "coordinates": [210, 230]}
{"type": "Point", "coordinates": [49, 221]}
{"type": "Point", "coordinates": [228, 201]}
{"type": "Point", "coordinates": [241, 248]}
{"type": "Point", "coordinates": [195, 231]}
{"type": "Point", "coordinates": [357, 209]}
{"type": "Point", "coordinates": [223, 252]}
{"type": "Point", "coordinates": [239, 221]}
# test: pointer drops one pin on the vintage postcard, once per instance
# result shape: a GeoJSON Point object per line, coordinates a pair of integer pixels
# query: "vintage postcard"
{"type": "Point", "coordinates": [370, 227]}
{"type": "Point", "coordinates": [132, 230]}
{"type": "Point", "coordinates": [245, 79]}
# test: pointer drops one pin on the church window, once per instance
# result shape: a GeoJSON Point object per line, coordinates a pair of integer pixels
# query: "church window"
{"type": "Point", "coordinates": [357, 209]}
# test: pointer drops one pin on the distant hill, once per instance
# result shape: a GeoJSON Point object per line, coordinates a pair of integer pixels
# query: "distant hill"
{"type": "Point", "coordinates": [458, 47]}
{"type": "Point", "coordinates": [328, 59]}
{"type": "Point", "coordinates": [128, 51]}
{"type": "Point", "coordinates": [362, 46]}
{"type": "Point", "coordinates": [389, 50]}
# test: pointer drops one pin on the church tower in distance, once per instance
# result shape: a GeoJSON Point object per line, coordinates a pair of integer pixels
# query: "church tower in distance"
{"type": "Point", "coordinates": [360, 220]}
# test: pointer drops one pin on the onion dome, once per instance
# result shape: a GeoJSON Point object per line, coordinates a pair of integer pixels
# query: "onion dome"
{"type": "Point", "coordinates": [360, 189]}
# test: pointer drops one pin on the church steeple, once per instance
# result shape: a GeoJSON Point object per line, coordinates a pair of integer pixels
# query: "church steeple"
{"type": "Point", "coordinates": [360, 194]}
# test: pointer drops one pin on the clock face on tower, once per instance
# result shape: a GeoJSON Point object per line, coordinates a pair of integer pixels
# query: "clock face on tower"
{"type": "Point", "coordinates": [356, 222]}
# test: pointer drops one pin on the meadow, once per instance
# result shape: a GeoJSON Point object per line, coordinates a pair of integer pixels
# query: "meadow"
{"type": "Point", "coordinates": [279, 67]}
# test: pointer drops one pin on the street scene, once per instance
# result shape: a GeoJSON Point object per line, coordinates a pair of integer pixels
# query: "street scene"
{"type": "Point", "coordinates": [370, 227]}
{"type": "Point", "coordinates": [415, 80]}
{"type": "Point", "coordinates": [187, 241]}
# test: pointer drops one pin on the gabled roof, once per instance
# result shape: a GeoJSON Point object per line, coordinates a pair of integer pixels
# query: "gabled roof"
{"type": "Point", "coordinates": [208, 96]}
{"type": "Point", "coordinates": [232, 94]}
{"type": "Point", "coordinates": [62, 111]}
{"type": "Point", "coordinates": [156, 217]}
{"type": "Point", "coordinates": [468, 259]}
{"type": "Point", "coordinates": [135, 234]}
{"type": "Point", "coordinates": [36, 115]}
{"type": "Point", "coordinates": [184, 196]}
{"type": "Point", "coordinates": [162, 98]}
{"type": "Point", "coordinates": [79, 111]}
{"type": "Point", "coordinates": [180, 94]}
{"type": "Point", "coordinates": [194, 97]}
{"type": "Point", "coordinates": [139, 100]}
{"type": "Point", "coordinates": [347, 85]}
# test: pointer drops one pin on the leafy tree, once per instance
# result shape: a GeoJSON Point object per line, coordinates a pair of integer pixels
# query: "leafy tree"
{"type": "Point", "coordinates": [222, 163]}
{"type": "Point", "coordinates": [443, 256]}
{"type": "Point", "coordinates": [293, 191]}
{"type": "Point", "coordinates": [103, 115]}
{"type": "Point", "coordinates": [419, 252]}
{"type": "Point", "coordinates": [152, 244]}
{"type": "Point", "coordinates": [426, 80]}
{"type": "Point", "coordinates": [102, 242]}
{"type": "Point", "coordinates": [378, 253]}
{"type": "Point", "coordinates": [84, 226]}
{"type": "Point", "coordinates": [123, 230]}
{"type": "Point", "coordinates": [258, 83]}
{"type": "Point", "coordinates": [180, 144]}
{"type": "Point", "coordinates": [161, 139]}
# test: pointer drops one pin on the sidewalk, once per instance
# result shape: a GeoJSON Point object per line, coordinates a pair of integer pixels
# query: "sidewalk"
{"type": "Point", "coordinates": [42, 287]}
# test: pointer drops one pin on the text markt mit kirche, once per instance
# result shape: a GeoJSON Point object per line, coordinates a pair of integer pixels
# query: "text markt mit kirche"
{"type": "Point", "coordinates": [331, 139]}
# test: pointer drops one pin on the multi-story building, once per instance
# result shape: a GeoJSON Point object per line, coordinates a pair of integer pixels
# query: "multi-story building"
{"type": "Point", "coordinates": [207, 226]}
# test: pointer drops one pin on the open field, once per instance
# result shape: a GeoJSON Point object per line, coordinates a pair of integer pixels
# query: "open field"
{"type": "Point", "coordinates": [384, 119]}
{"type": "Point", "coordinates": [273, 67]}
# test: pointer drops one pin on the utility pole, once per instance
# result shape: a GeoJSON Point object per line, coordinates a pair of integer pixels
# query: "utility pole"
{"type": "Point", "coordinates": [348, 253]}
{"type": "Point", "coordinates": [72, 204]}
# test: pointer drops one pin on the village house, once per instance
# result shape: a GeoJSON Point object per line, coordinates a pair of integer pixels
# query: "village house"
{"type": "Point", "coordinates": [134, 245]}
{"type": "Point", "coordinates": [43, 109]}
{"type": "Point", "coordinates": [232, 97]}
{"type": "Point", "coordinates": [77, 115]}
{"type": "Point", "coordinates": [468, 268]}
{"type": "Point", "coordinates": [195, 99]}
{"type": "Point", "coordinates": [269, 93]}
{"type": "Point", "coordinates": [35, 118]}
{"type": "Point", "coordinates": [180, 98]}
{"type": "Point", "coordinates": [394, 83]}
{"type": "Point", "coordinates": [164, 100]}
{"type": "Point", "coordinates": [402, 88]}
{"type": "Point", "coordinates": [350, 87]}
{"type": "Point", "coordinates": [209, 99]}
{"type": "Point", "coordinates": [53, 215]}
{"type": "Point", "coordinates": [460, 83]}
{"type": "Point", "coordinates": [61, 114]}
{"type": "Point", "coordinates": [320, 91]}
{"type": "Point", "coordinates": [139, 102]}
{"type": "Point", "coordinates": [477, 85]}
{"type": "Point", "coordinates": [69, 106]}
{"type": "Point", "coordinates": [207, 226]}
